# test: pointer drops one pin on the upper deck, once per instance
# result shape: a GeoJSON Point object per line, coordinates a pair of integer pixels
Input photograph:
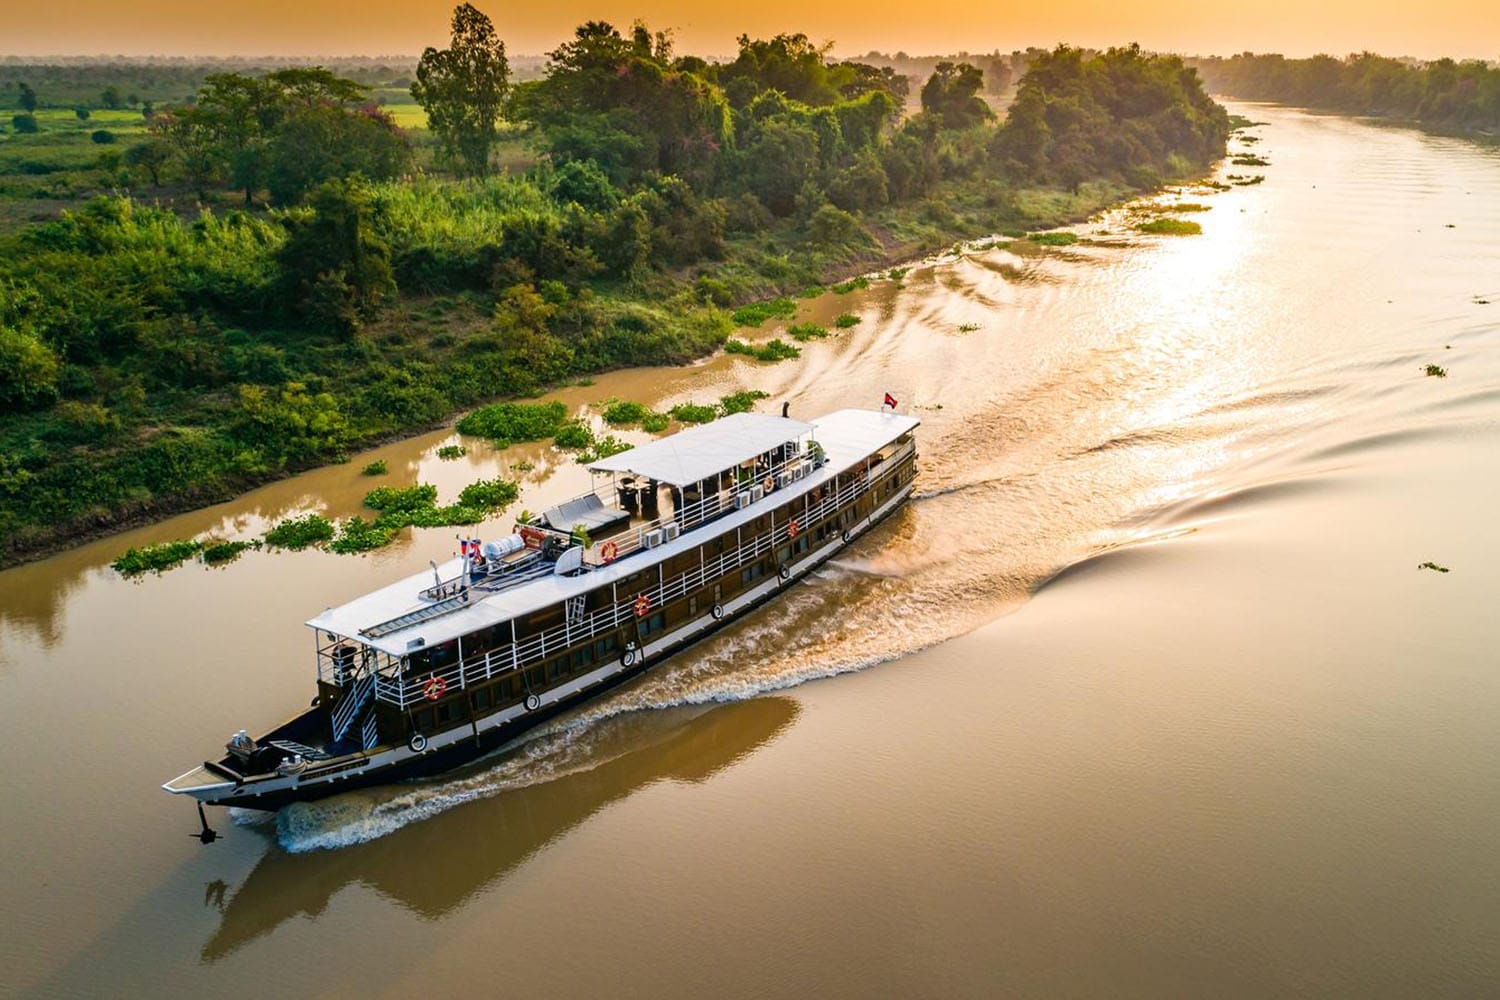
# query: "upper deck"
{"type": "Point", "coordinates": [710, 480]}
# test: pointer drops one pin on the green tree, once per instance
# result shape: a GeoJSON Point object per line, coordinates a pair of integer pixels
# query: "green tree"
{"type": "Point", "coordinates": [28, 371]}
{"type": "Point", "coordinates": [24, 123]}
{"type": "Point", "coordinates": [150, 156]}
{"type": "Point", "coordinates": [334, 266]}
{"type": "Point", "coordinates": [81, 113]}
{"type": "Point", "coordinates": [110, 98]}
{"type": "Point", "coordinates": [952, 93]}
{"type": "Point", "coordinates": [28, 98]}
{"type": "Point", "coordinates": [462, 88]}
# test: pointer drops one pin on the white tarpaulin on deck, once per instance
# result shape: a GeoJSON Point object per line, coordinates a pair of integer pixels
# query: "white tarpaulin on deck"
{"type": "Point", "coordinates": [692, 455]}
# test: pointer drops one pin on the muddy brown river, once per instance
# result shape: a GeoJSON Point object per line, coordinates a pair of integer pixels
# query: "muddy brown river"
{"type": "Point", "coordinates": [1143, 694]}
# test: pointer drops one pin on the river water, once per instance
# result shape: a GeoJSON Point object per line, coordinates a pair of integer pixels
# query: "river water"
{"type": "Point", "coordinates": [1143, 694]}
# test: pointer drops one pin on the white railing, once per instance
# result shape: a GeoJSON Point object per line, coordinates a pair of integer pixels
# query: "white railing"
{"type": "Point", "coordinates": [539, 648]}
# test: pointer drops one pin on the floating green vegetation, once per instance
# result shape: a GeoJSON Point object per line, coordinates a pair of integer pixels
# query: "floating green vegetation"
{"type": "Point", "coordinates": [741, 402]}
{"type": "Point", "coordinates": [400, 499]}
{"type": "Point", "coordinates": [897, 273]}
{"type": "Point", "coordinates": [693, 413]}
{"type": "Point", "coordinates": [758, 312]}
{"type": "Point", "coordinates": [1480, 300]}
{"type": "Point", "coordinates": [449, 452]}
{"type": "Point", "coordinates": [1240, 122]}
{"type": "Point", "coordinates": [300, 532]}
{"type": "Point", "coordinates": [1169, 227]}
{"type": "Point", "coordinates": [358, 535]}
{"type": "Point", "coordinates": [1245, 180]}
{"type": "Point", "coordinates": [1184, 206]}
{"type": "Point", "coordinates": [852, 285]}
{"type": "Point", "coordinates": [1250, 160]}
{"type": "Point", "coordinates": [624, 413]}
{"type": "Point", "coordinates": [375, 468]}
{"type": "Point", "coordinates": [803, 332]}
{"type": "Point", "coordinates": [1061, 239]}
{"type": "Point", "coordinates": [489, 494]}
{"type": "Point", "coordinates": [811, 292]}
{"type": "Point", "coordinates": [573, 434]}
{"type": "Point", "coordinates": [603, 448]}
{"type": "Point", "coordinates": [584, 383]}
{"type": "Point", "coordinates": [655, 423]}
{"type": "Point", "coordinates": [967, 327]}
{"type": "Point", "coordinates": [220, 553]}
{"type": "Point", "coordinates": [1014, 234]}
{"type": "Point", "coordinates": [1436, 371]}
{"type": "Point", "coordinates": [506, 422]}
{"type": "Point", "coordinates": [523, 466]}
{"type": "Point", "coordinates": [1433, 566]}
{"type": "Point", "coordinates": [1216, 185]}
{"type": "Point", "coordinates": [775, 350]}
{"type": "Point", "coordinates": [846, 320]}
{"type": "Point", "coordinates": [154, 558]}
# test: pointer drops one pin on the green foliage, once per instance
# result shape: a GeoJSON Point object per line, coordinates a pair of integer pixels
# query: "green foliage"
{"type": "Point", "coordinates": [24, 123]}
{"type": "Point", "coordinates": [803, 332]}
{"type": "Point", "coordinates": [773, 350]}
{"type": "Point", "coordinates": [623, 413]}
{"type": "Point", "coordinates": [462, 88]}
{"type": "Point", "coordinates": [846, 320]}
{"type": "Point", "coordinates": [952, 94]}
{"type": "Point", "coordinates": [1433, 566]}
{"type": "Point", "coordinates": [1249, 160]}
{"type": "Point", "coordinates": [655, 423]}
{"type": "Point", "coordinates": [1053, 239]}
{"type": "Point", "coordinates": [358, 535]}
{"type": "Point", "coordinates": [28, 371]}
{"type": "Point", "coordinates": [449, 452]}
{"type": "Point", "coordinates": [574, 434]}
{"type": "Point", "coordinates": [693, 413]}
{"type": "Point", "coordinates": [603, 448]}
{"type": "Point", "coordinates": [334, 266]}
{"type": "Point", "coordinates": [515, 421]}
{"type": "Point", "coordinates": [1436, 371]}
{"type": "Point", "coordinates": [219, 553]}
{"type": "Point", "coordinates": [741, 402]}
{"type": "Point", "coordinates": [852, 285]}
{"type": "Point", "coordinates": [758, 312]}
{"type": "Point", "coordinates": [154, 558]}
{"type": "Point", "coordinates": [1166, 226]}
{"type": "Point", "coordinates": [375, 468]}
{"type": "Point", "coordinates": [300, 532]}
{"type": "Point", "coordinates": [101, 137]}
{"type": "Point", "coordinates": [398, 500]}
{"type": "Point", "coordinates": [489, 494]}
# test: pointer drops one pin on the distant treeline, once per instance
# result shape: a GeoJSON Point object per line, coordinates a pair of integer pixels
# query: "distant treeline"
{"type": "Point", "coordinates": [1441, 93]}
{"type": "Point", "coordinates": [148, 358]}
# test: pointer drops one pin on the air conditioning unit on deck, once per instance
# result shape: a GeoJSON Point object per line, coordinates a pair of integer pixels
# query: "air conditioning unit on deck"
{"type": "Point", "coordinates": [651, 539]}
{"type": "Point", "coordinates": [670, 530]}
{"type": "Point", "coordinates": [757, 492]}
{"type": "Point", "coordinates": [741, 501]}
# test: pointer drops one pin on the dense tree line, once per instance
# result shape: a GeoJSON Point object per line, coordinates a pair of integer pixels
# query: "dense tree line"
{"type": "Point", "coordinates": [1442, 92]}
{"type": "Point", "coordinates": [144, 355]}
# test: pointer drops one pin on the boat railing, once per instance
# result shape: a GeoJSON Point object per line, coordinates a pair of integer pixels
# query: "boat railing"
{"type": "Point", "coordinates": [407, 692]}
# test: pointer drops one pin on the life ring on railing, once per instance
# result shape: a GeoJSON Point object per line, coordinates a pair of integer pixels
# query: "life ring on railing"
{"type": "Point", "coordinates": [785, 572]}
{"type": "Point", "coordinates": [642, 606]}
{"type": "Point", "coordinates": [417, 743]}
{"type": "Point", "coordinates": [533, 703]}
{"type": "Point", "coordinates": [434, 688]}
{"type": "Point", "coordinates": [792, 529]}
{"type": "Point", "coordinates": [628, 657]}
{"type": "Point", "coordinates": [846, 535]}
{"type": "Point", "coordinates": [718, 612]}
{"type": "Point", "coordinates": [608, 551]}
{"type": "Point", "coordinates": [769, 484]}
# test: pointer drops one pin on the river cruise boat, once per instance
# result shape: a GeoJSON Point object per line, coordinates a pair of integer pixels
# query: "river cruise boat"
{"type": "Point", "coordinates": [678, 538]}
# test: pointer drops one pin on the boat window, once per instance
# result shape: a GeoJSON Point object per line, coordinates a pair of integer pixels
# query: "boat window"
{"type": "Point", "coordinates": [535, 677]}
{"type": "Point", "coordinates": [557, 669]}
{"type": "Point", "coordinates": [483, 698]}
{"type": "Point", "coordinates": [653, 623]}
{"type": "Point", "coordinates": [424, 719]}
{"type": "Point", "coordinates": [605, 646]}
{"type": "Point", "coordinates": [451, 712]}
{"type": "Point", "coordinates": [581, 657]}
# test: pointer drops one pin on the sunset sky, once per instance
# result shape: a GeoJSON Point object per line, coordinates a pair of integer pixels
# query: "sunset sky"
{"type": "Point", "coordinates": [1460, 28]}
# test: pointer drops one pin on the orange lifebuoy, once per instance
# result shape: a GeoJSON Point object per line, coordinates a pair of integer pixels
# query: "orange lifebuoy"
{"type": "Point", "coordinates": [792, 529]}
{"type": "Point", "coordinates": [769, 484]}
{"type": "Point", "coordinates": [434, 687]}
{"type": "Point", "coordinates": [642, 606]}
{"type": "Point", "coordinates": [608, 551]}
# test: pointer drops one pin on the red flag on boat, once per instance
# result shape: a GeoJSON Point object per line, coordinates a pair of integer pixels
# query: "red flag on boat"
{"type": "Point", "coordinates": [890, 401]}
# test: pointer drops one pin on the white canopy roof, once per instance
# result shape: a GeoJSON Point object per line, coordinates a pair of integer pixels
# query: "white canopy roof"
{"type": "Point", "coordinates": [692, 455]}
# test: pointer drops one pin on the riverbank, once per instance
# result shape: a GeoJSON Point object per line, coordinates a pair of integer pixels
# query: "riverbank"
{"type": "Point", "coordinates": [900, 235]}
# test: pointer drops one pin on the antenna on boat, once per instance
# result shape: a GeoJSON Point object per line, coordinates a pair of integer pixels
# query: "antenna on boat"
{"type": "Point", "coordinates": [437, 577]}
{"type": "Point", "coordinates": [207, 835]}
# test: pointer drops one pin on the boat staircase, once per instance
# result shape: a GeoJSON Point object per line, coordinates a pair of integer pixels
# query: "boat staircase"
{"type": "Point", "coordinates": [347, 713]}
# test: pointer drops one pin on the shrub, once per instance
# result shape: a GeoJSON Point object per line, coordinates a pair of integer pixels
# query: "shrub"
{"type": "Point", "coordinates": [375, 468]}
{"type": "Point", "coordinates": [693, 413]}
{"type": "Point", "coordinates": [24, 123]}
{"type": "Point", "coordinates": [102, 136]}
{"type": "Point", "coordinates": [514, 421]}
{"type": "Point", "coordinates": [154, 558]}
{"type": "Point", "coordinates": [300, 532]}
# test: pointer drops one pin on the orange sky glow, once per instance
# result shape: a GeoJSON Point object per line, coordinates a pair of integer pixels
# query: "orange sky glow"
{"type": "Point", "coordinates": [1459, 28]}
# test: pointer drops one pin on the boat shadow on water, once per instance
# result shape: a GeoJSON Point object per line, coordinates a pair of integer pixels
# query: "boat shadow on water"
{"type": "Point", "coordinates": [499, 827]}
